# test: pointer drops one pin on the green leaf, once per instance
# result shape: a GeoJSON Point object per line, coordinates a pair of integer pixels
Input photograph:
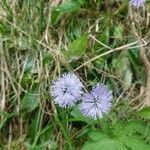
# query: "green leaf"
{"type": "Point", "coordinates": [106, 127]}
{"type": "Point", "coordinates": [144, 113]}
{"type": "Point", "coordinates": [118, 32]}
{"type": "Point", "coordinates": [44, 145]}
{"type": "Point", "coordinates": [135, 143]}
{"type": "Point", "coordinates": [2, 27]}
{"type": "Point", "coordinates": [5, 116]}
{"type": "Point", "coordinates": [105, 144]}
{"type": "Point", "coordinates": [34, 129]}
{"type": "Point", "coordinates": [129, 128]}
{"type": "Point", "coordinates": [76, 48]}
{"type": "Point", "coordinates": [123, 68]}
{"type": "Point", "coordinates": [46, 133]}
{"type": "Point", "coordinates": [105, 35]}
{"type": "Point", "coordinates": [59, 11]}
{"type": "Point", "coordinates": [29, 64]}
{"type": "Point", "coordinates": [78, 116]}
{"type": "Point", "coordinates": [127, 77]}
{"type": "Point", "coordinates": [135, 127]}
{"type": "Point", "coordinates": [97, 135]}
{"type": "Point", "coordinates": [30, 100]}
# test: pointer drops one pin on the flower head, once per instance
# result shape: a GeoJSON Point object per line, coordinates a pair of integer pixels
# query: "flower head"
{"type": "Point", "coordinates": [67, 90]}
{"type": "Point", "coordinates": [137, 3]}
{"type": "Point", "coordinates": [97, 102]}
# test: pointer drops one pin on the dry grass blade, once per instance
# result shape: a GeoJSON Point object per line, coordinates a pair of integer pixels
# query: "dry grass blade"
{"type": "Point", "coordinates": [124, 47]}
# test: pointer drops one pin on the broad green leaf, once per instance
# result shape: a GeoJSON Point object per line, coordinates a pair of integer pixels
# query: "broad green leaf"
{"type": "Point", "coordinates": [135, 127]}
{"type": "Point", "coordinates": [30, 100]}
{"type": "Point", "coordinates": [59, 11]}
{"type": "Point", "coordinates": [76, 48]}
{"type": "Point", "coordinates": [118, 32]}
{"type": "Point", "coordinates": [135, 143]}
{"type": "Point", "coordinates": [78, 116]}
{"type": "Point", "coordinates": [105, 144]}
{"type": "Point", "coordinates": [123, 68]}
{"type": "Point", "coordinates": [119, 129]}
{"type": "Point", "coordinates": [127, 77]}
{"type": "Point", "coordinates": [122, 129]}
{"type": "Point", "coordinates": [144, 113]}
{"type": "Point", "coordinates": [29, 64]}
{"type": "Point", "coordinates": [128, 128]}
{"type": "Point", "coordinates": [97, 135]}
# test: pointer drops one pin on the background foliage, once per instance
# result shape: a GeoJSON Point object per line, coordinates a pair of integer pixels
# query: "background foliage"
{"type": "Point", "coordinates": [101, 41]}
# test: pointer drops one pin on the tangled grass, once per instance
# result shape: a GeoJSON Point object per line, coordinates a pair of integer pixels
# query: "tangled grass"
{"type": "Point", "coordinates": [100, 41]}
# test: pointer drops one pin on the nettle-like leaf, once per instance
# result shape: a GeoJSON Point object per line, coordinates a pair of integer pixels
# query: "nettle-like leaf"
{"type": "Point", "coordinates": [105, 144]}
{"type": "Point", "coordinates": [98, 135]}
{"type": "Point", "coordinates": [76, 48]}
{"type": "Point", "coordinates": [118, 32]}
{"type": "Point", "coordinates": [64, 8]}
{"type": "Point", "coordinates": [121, 133]}
{"type": "Point", "coordinates": [134, 143]}
{"type": "Point", "coordinates": [128, 128]}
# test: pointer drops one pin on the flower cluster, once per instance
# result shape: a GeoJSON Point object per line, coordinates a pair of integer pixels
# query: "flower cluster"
{"type": "Point", "coordinates": [137, 3]}
{"type": "Point", "coordinates": [97, 102]}
{"type": "Point", "coordinates": [68, 89]}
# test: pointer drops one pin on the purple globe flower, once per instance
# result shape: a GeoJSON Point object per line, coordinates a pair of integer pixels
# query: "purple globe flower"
{"type": "Point", "coordinates": [67, 90]}
{"type": "Point", "coordinates": [137, 3]}
{"type": "Point", "coordinates": [97, 102]}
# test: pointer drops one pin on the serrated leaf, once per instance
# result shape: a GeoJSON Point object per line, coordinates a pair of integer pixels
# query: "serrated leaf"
{"type": "Point", "coordinates": [76, 48]}
{"type": "Point", "coordinates": [135, 127]}
{"type": "Point", "coordinates": [129, 128]}
{"type": "Point", "coordinates": [59, 11]}
{"type": "Point", "coordinates": [119, 129]}
{"type": "Point", "coordinates": [98, 135]}
{"type": "Point", "coordinates": [135, 143]}
{"type": "Point", "coordinates": [144, 113]}
{"type": "Point", "coordinates": [105, 144]}
{"type": "Point", "coordinates": [118, 32]}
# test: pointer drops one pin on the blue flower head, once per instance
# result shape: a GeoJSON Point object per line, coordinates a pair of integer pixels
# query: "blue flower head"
{"type": "Point", "coordinates": [67, 90]}
{"type": "Point", "coordinates": [137, 3]}
{"type": "Point", "coordinates": [97, 102]}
